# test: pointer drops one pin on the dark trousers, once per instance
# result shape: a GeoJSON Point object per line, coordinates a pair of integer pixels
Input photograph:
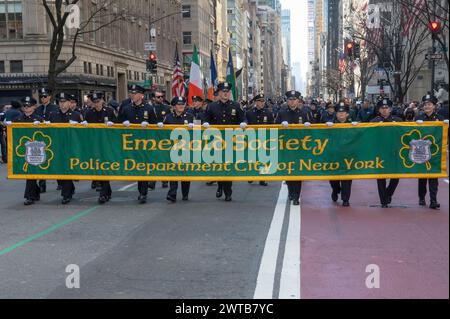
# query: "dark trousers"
{"type": "Point", "coordinates": [294, 189]}
{"type": "Point", "coordinates": [67, 188]}
{"type": "Point", "coordinates": [32, 190]}
{"type": "Point", "coordinates": [106, 190]}
{"type": "Point", "coordinates": [143, 188]}
{"type": "Point", "coordinates": [43, 184]}
{"type": "Point", "coordinates": [386, 192]}
{"type": "Point", "coordinates": [433, 185]}
{"type": "Point", "coordinates": [185, 187]}
{"type": "Point", "coordinates": [225, 187]}
{"type": "Point", "coordinates": [3, 146]}
{"type": "Point", "coordinates": [342, 187]}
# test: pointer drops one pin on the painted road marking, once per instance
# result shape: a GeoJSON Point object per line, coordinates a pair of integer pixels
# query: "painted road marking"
{"type": "Point", "coordinates": [290, 272]}
{"type": "Point", "coordinates": [127, 187]}
{"type": "Point", "coordinates": [266, 274]}
{"type": "Point", "coordinates": [47, 231]}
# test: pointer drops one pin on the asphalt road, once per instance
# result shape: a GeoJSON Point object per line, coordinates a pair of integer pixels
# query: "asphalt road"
{"type": "Point", "coordinates": [256, 246]}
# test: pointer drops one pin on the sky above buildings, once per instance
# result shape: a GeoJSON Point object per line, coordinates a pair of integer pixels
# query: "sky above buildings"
{"type": "Point", "coordinates": [299, 32]}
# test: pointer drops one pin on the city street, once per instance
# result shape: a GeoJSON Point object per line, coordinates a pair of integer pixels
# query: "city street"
{"type": "Point", "coordinates": [254, 247]}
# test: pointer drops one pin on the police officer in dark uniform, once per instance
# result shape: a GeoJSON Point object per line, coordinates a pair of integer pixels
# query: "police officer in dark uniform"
{"type": "Point", "coordinates": [179, 116]}
{"type": "Point", "coordinates": [259, 115]}
{"type": "Point", "coordinates": [197, 109]}
{"type": "Point", "coordinates": [44, 111]}
{"type": "Point", "coordinates": [100, 113]}
{"type": "Point", "coordinates": [224, 112]}
{"type": "Point", "coordinates": [65, 115]}
{"type": "Point", "coordinates": [384, 109]}
{"type": "Point", "coordinates": [329, 115]}
{"type": "Point", "coordinates": [138, 112]}
{"type": "Point", "coordinates": [32, 190]}
{"type": "Point", "coordinates": [342, 187]}
{"type": "Point", "coordinates": [294, 115]}
{"type": "Point", "coordinates": [429, 114]}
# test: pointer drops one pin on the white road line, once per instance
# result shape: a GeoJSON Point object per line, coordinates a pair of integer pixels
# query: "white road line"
{"type": "Point", "coordinates": [127, 187]}
{"type": "Point", "coordinates": [290, 272]}
{"type": "Point", "coordinates": [266, 274]}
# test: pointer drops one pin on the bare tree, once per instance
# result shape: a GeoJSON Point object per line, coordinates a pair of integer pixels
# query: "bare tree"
{"type": "Point", "coordinates": [104, 10]}
{"type": "Point", "coordinates": [332, 81]}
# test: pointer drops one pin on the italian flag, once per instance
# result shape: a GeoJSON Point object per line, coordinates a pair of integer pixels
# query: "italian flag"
{"type": "Point", "coordinates": [195, 78]}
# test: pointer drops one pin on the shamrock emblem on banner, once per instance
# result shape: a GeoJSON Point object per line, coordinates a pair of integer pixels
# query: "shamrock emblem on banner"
{"type": "Point", "coordinates": [417, 149]}
{"type": "Point", "coordinates": [35, 150]}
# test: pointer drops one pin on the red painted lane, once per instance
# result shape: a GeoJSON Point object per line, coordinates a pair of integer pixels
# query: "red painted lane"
{"type": "Point", "coordinates": [410, 245]}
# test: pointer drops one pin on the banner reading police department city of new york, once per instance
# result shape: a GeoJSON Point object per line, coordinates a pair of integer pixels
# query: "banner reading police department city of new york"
{"type": "Point", "coordinates": [182, 153]}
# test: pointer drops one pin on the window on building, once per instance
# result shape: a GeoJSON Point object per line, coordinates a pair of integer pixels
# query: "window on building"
{"type": "Point", "coordinates": [186, 11]}
{"type": "Point", "coordinates": [112, 72]}
{"type": "Point", "coordinates": [187, 37]}
{"type": "Point", "coordinates": [16, 66]}
{"type": "Point", "coordinates": [85, 67]}
{"type": "Point", "coordinates": [90, 67]}
{"type": "Point", "coordinates": [11, 20]}
{"type": "Point", "coordinates": [97, 69]}
{"type": "Point", "coordinates": [2, 66]}
{"type": "Point", "coordinates": [101, 69]}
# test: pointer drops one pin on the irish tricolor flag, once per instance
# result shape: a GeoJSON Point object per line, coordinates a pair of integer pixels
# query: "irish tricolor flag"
{"type": "Point", "coordinates": [195, 79]}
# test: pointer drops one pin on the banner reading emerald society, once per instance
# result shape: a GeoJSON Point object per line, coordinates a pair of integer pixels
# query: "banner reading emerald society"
{"type": "Point", "coordinates": [97, 152]}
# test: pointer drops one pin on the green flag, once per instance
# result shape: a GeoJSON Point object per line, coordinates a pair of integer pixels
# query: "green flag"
{"type": "Point", "coordinates": [231, 77]}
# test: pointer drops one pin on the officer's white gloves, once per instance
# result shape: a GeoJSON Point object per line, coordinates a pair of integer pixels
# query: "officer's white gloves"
{"type": "Point", "coordinates": [206, 125]}
{"type": "Point", "coordinates": [7, 123]}
{"type": "Point", "coordinates": [126, 123]}
{"type": "Point", "coordinates": [419, 121]}
{"type": "Point", "coordinates": [144, 124]}
{"type": "Point", "coordinates": [73, 122]}
{"type": "Point", "coordinates": [191, 125]}
{"type": "Point", "coordinates": [243, 125]}
{"type": "Point", "coordinates": [307, 124]}
{"type": "Point", "coordinates": [36, 123]}
{"type": "Point", "coordinates": [109, 124]}
{"type": "Point", "coordinates": [446, 122]}
{"type": "Point", "coordinates": [330, 124]}
{"type": "Point", "coordinates": [285, 124]}
{"type": "Point", "coordinates": [47, 122]}
{"type": "Point", "coordinates": [85, 123]}
{"type": "Point", "coordinates": [160, 124]}
{"type": "Point", "coordinates": [355, 123]}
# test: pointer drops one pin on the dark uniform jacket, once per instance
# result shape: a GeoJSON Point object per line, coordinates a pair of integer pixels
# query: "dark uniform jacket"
{"type": "Point", "coordinates": [138, 113]}
{"type": "Point", "coordinates": [391, 118]}
{"type": "Point", "coordinates": [327, 117]}
{"type": "Point", "coordinates": [45, 110]}
{"type": "Point", "coordinates": [432, 117]}
{"type": "Point", "coordinates": [256, 116]}
{"type": "Point", "coordinates": [229, 113]}
{"type": "Point", "coordinates": [199, 114]}
{"type": "Point", "coordinates": [60, 117]}
{"type": "Point", "coordinates": [29, 119]}
{"type": "Point", "coordinates": [181, 119]}
{"type": "Point", "coordinates": [297, 116]}
{"type": "Point", "coordinates": [106, 114]}
{"type": "Point", "coordinates": [161, 111]}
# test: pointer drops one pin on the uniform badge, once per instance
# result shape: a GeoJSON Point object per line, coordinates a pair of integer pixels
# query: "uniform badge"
{"type": "Point", "coordinates": [35, 153]}
{"type": "Point", "coordinates": [265, 119]}
{"type": "Point", "coordinates": [163, 113]}
{"type": "Point", "coordinates": [420, 152]}
{"type": "Point", "coordinates": [233, 112]}
{"type": "Point", "coordinates": [146, 115]}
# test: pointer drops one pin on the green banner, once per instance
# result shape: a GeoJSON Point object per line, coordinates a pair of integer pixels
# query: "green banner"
{"type": "Point", "coordinates": [344, 151]}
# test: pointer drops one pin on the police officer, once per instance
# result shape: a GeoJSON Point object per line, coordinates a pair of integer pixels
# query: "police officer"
{"type": "Point", "coordinates": [65, 115]}
{"type": "Point", "coordinates": [99, 113]}
{"type": "Point", "coordinates": [139, 112]}
{"type": "Point", "coordinates": [429, 114]}
{"type": "Point", "coordinates": [294, 115]}
{"type": "Point", "coordinates": [386, 193]}
{"type": "Point", "coordinates": [197, 109]}
{"type": "Point", "coordinates": [32, 190]}
{"type": "Point", "coordinates": [329, 115]}
{"type": "Point", "coordinates": [259, 115]}
{"type": "Point", "coordinates": [342, 187]}
{"type": "Point", "coordinates": [224, 112]}
{"type": "Point", "coordinates": [179, 116]}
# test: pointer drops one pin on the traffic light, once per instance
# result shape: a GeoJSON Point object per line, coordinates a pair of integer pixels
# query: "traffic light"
{"type": "Point", "coordinates": [349, 49]}
{"type": "Point", "coordinates": [152, 63]}
{"type": "Point", "coordinates": [357, 50]}
{"type": "Point", "coordinates": [435, 28]}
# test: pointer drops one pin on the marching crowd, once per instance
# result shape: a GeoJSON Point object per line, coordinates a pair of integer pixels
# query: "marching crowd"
{"type": "Point", "coordinates": [292, 109]}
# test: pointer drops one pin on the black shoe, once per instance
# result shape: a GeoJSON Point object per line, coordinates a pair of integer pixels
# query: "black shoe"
{"type": "Point", "coordinates": [42, 189]}
{"type": "Point", "coordinates": [102, 200]}
{"type": "Point", "coordinates": [296, 202]}
{"type": "Point", "coordinates": [93, 185]}
{"type": "Point", "coordinates": [171, 199]}
{"type": "Point", "coordinates": [334, 197]}
{"type": "Point", "coordinates": [250, 182]}
{"type": "Point", "coordinates": [28, 202]}
{"type": "Point", "coordinates": [66, 200]}
{"type": "Point", "coordinates": [346, 204]}
{"type": "Point", "coordinates": [185, 198]}
{"type": "Point", "coordinates": [142, 199]}
{"type": "Point", "coordinates": [389, 199]}
{"type": "Point", "coordinates": [291, 197]}
{"type": "Point", "coordinates": [98, 188]}
{"type": "Point", "coordinates": [435, 205]}
{"type": "Point", "coordinates": [165, 185]}
{"type": "Point", "coordinates": [210, 183]}
{"type": "Point", "coordinates": [219, 193]}
{"type": "Point", "coordinates": [228, 198]}
{"type": "Point", "coordinates": [58, 188]}
{"type": "Point", "coordinates": [422, 202]}
{"type": "Point", "coordinates": [263, 184]}
{"type": "Point", "coordinates": [384, 206]}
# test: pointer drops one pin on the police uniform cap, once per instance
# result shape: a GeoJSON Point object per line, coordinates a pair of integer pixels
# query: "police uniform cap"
{"type": "Point", "coordinates": [224, 86]}
{"type": "Point", "coordinates": [43, 92]}
{"type": "Point", "coordinates": [385, 103]}
{"type": "Point", "coordinates": [196, 98]}
{"type": "Point", "coordinates": [429, 98]}
{"type": "Point", "coordinates": [136, 89]}
{"type": "Point", "coordinates": [96, 96]}
{"type": "Point", "coordinates": [29, 101]}
{"type": "Point", "coordinates": [62, 96]}
{"type": "Point", "coordinates": [293, 95]}
{"type": "Point", "coordinates": [260, 97]}
{"type": "Point", "coordinates": [341, 107]}
{"type": "Point", "coordinates": [180, 100]}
